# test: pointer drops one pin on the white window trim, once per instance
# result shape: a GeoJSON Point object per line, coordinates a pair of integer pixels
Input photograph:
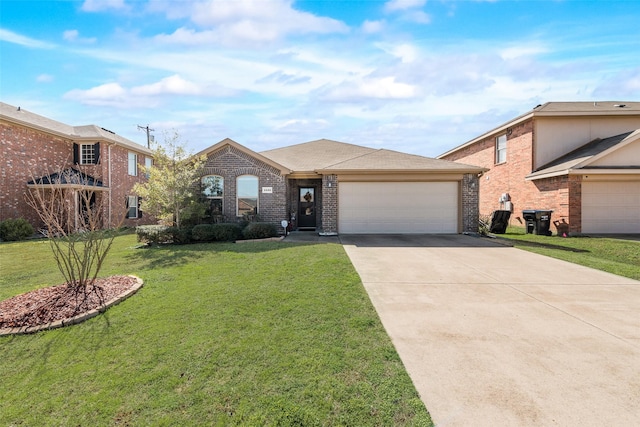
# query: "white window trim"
{"type": "Point", "coordinates": [135, 201]}
{"type": "Point", "coordinates": [82, 154]}
{"type": "Point", "coordinates": [501, 152]}
{"type": "Point", "coordinates": [132, 168]}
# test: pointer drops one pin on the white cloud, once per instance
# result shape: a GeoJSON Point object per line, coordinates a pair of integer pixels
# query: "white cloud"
{"type": "Point", "coordinates": [11, 37]}
{"type": "Point", "coordinates": [174, 85]}
{"type": "Point", "coordinates": [302, 125]}
{"type": "Point", "coordinates": [372, 27]}
{"type": "Point", "coordinates": [625, 83]}
{"type": "Point", "coordinates": [44, 78]}
{"type": "Point", "coordinates": [394, 5]}
{"type": "Point", "coordinates": [242, 22]}
{"type": "Point", "coordinates": [370, 88]}
{"type": "Point", "coordinates": [74, 36]}
{"type": "Point", "coordinates": [100, 5]}
{"type": "Point", "coordinates": [109, 94]}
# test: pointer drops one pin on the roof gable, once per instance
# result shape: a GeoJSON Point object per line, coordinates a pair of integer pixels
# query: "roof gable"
{"type": "Point", "coordinates": [227, 142]}
{"type": "Point", "coordinates": [560, 109]}
{"type": "Point", "coordinates": [588, 155]}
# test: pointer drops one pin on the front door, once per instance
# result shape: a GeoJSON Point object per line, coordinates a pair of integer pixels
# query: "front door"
{"type": "Point", "coordinates": [307, 208]}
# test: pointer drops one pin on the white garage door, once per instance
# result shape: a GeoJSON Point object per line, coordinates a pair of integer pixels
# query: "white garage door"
{"type": "Point", "coordinates": [611, 207]}
{"type": "Point", "coordinates": [397, 207]}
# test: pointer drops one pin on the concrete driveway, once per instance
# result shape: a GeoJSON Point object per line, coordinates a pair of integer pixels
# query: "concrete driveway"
{"type": "Point", "coordinates": [496, 336]}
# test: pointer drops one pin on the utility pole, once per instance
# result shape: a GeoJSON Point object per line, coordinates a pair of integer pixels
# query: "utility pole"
{"type": "Point", "coordinates": [149, 136]}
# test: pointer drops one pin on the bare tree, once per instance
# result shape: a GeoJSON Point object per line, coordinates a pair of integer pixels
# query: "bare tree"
{"type": "Point", "coordinates": [72, 205]}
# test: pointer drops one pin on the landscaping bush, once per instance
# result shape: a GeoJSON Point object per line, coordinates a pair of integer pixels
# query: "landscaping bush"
{"type": "Point", "coordinates": [15, 229]}
{"type": "Point", "coordinates": [203, 233]}
{"type": "Point", "coordinates": [181, 235]}
{"type": "Point", "coordinates": [154, 234]}
{"type": "Point", "coordinates": [227, 232]}
{"type": "Point", "coordinates": [260, 230]}
{"type": "Point", "coordinates": [224, 232]}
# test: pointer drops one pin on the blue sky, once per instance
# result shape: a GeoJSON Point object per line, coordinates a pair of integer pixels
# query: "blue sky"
{"type": "Point", "coordinates": [409, 75]}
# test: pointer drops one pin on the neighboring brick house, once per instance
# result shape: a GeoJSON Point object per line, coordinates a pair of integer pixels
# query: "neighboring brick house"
{"type": "Point", "coordinates": [333, 187]}
{"type": "Point", "coordinates": [35, 148]}
{"type": "Point", "coordinates": [579, 159]}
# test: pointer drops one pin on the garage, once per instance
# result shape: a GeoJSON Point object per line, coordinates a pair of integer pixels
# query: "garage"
{"type": "Point", "coordinates": [611, 207]}
{"type": "Point", "coordinates": [398, 207]}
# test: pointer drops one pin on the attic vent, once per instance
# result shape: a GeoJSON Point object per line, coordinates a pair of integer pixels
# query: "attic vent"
{"type": "Point", "coordinates": [107, 130]}
{"type": "Point", "coordinates": [620, 105]}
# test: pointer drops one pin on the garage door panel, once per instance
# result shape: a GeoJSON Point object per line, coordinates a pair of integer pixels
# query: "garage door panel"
{"type": "Point", "coordinates": [611, 207]}
{"type": "Point", "coordinates": [398, 207]}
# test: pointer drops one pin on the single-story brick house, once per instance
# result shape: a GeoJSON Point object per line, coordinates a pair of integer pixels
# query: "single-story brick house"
{"type": "Point", "coordinates": [334, 187]}
{"type": "Point", "coordinates": [38, 152]}
{"type": "Point", "coordinates": [579, 159]}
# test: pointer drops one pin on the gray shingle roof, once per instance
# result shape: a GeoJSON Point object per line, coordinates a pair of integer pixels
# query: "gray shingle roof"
{"type": "Point", "coordinates": [325, 155]}
{"type": "Point", "coordinates": [75, 133]}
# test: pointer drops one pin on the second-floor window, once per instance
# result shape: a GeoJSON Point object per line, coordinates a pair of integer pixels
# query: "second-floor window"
{"type": "Point", "coordinates": [133, 164]}
{"type": "Point", "coordinates": [501, 149]}
{"type": "Point", "coordinates": [86, 154]}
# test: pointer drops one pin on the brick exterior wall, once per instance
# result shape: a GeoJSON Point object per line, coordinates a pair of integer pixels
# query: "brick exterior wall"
{"type": "Point", "coordinates": [509, 177]}
{"type": "Point", "coordinates": [330, 204]}
{"type": "Point", "coordinates": [470, 209]}
{"type": "Point", "coordinates": [230, 163]}
{"type": "Point", "coordinates": [28, 153]}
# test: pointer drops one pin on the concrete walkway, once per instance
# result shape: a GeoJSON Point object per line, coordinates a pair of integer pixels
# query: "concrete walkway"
{"type": "Point", "coordinates": [496, 336]}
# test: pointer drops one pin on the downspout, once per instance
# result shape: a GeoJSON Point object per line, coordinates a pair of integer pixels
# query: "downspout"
{"type": "Point", "coordinates": [109, 176]}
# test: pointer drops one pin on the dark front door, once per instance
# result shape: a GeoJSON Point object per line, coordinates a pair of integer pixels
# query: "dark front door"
{"type": "Point", "coordinates": [307, 208]}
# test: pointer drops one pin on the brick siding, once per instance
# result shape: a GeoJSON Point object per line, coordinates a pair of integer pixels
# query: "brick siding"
{"type": "Point", "coordinates": [29, 153]}
{"type": "Point", "coordinates": [554, 193]}
{"type": "Point", "coordinates": [230, 163]}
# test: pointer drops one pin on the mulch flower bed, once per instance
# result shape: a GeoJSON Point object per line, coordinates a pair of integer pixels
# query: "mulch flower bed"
{"type": "Point", "coordinates": [46, 305]}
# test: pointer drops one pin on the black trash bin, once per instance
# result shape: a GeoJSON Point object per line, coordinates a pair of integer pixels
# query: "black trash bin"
{"type": "Point", "coordinates": [537, 221]}
{"type": "Point", "coordinates": [499, 222]}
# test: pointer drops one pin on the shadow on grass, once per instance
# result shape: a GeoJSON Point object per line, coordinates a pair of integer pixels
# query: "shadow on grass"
{"type": "Point", "coordinates": [175, 255]}
{"type": "Point", "coordinates": [517, 242]}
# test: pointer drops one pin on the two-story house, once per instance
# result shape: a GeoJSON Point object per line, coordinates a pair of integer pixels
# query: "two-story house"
{"type": "Point", "coordinates": [579, 159]}
{"type": "Point", "coordinates": [36, 152]}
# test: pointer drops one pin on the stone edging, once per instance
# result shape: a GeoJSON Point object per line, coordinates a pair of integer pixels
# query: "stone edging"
{"type": "Point", "coordinates": [75, 319]}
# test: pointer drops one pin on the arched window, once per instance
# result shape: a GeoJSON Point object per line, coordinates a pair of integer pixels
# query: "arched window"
{"type": "Point", "coordinates": [247, 195]}
{"type": "Point", "coordinates": [213, 189]}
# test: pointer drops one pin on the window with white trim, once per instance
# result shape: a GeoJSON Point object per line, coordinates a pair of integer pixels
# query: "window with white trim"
{"type": "Point", "coordinates": [133, 164]}
{"type": "Point", "coordinates": [501, 149]}
{"type": "Point", "coordinates": [246, 195]}
{"type": "Point", "coordinates": [213, 189]}
{"type": "Point", "coordinates": [148, 162]}
{"type": "Point", "coordinates": [133, 208]}
{"type": "Point", "coordinates": [87, 154]}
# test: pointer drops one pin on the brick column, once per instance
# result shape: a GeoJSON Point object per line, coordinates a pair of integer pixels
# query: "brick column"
{"type": "Point", "coordinates": [470, 190]}
{"type": "Point", "coordinates": [329, 204]}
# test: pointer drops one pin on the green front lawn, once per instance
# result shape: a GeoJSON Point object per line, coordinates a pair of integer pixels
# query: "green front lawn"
{"type": "Point", "coordinates": [265, 333]}
{"type": "Point", "coordinates": [617, 256]}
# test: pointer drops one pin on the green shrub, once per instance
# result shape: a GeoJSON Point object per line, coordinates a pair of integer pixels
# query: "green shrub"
{"type": "Point", "coordinates": [227, 232]}
{"type": "Point", "coordinates": [181, 235]}
{"type": "Point", "coordinates": [260, 230]}
{"type": "Point", "coordinates": [224, 232]}
{"type": "Point", "coordinates": [153, 234]}
{"type": "Point", "coordinates": [203, 233]}
{"type": "Point", "coordinates": [15, 229]}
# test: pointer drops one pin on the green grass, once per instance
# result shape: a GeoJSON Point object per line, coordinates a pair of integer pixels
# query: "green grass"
{"type": "Point", "coordinates": [265, 333]}
{"type": "Point", "coordinates": [614, 255]}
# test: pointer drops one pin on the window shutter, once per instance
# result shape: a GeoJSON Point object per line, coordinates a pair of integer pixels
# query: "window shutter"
{"type": "Point", "coordinates": [139, 210]}
{"type": "Point", "coordinates": [96, 153]}
{"type": "Point", "coordinates": [126, 204]}
{"type": "Point", "coordinates": [76, 154]}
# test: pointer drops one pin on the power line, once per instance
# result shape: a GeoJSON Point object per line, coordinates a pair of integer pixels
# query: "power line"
{"type": "Point", "coordinates": [149, 136]}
